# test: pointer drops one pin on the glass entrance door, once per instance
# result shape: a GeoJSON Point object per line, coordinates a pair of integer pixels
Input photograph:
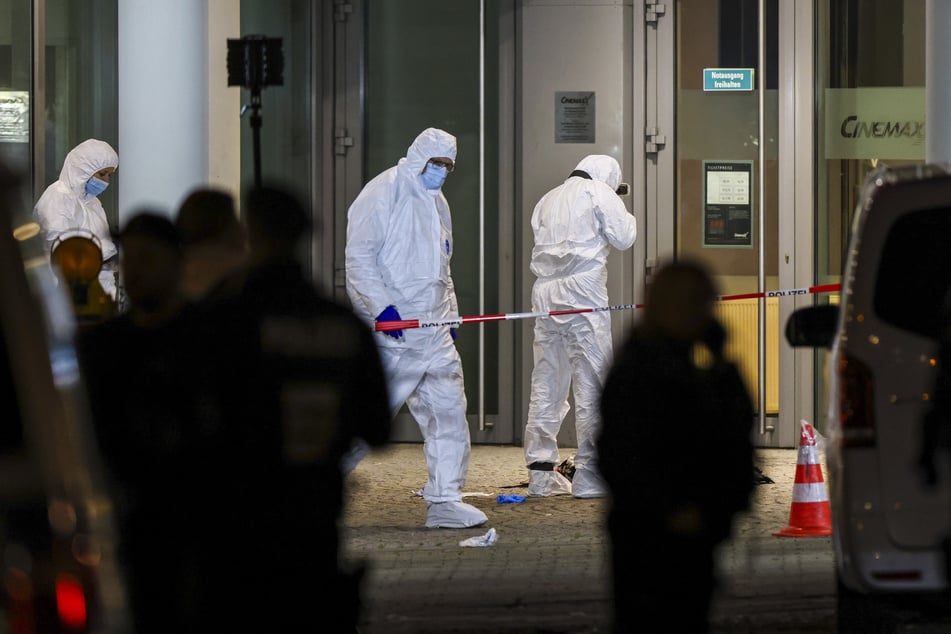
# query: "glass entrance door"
{"type": "Point", "coordinates": [435, 64]}
{"type": "Point", "coordinates": [864, 108]}
{"type": "Point", "coordinates": [719, 180]}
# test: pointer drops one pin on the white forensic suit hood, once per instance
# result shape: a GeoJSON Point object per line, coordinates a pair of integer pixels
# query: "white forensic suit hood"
{"type": "Point", "coordinates": [430, 143]}
{"type": "Point", "coordinates": [83, 161]}
{"type": "Point", "coordinates": [601, 167]}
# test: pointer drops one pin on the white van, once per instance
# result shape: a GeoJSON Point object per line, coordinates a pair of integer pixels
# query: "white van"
{"type": "Point", "coordinates": [887, 527]}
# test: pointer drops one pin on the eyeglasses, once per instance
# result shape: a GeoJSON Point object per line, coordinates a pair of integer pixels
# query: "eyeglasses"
{"type": "Point", "coordinates": [449, 165]}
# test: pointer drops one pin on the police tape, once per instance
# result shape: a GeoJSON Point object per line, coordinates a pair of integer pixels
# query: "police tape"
{"type": "Point", "coordinates": [406, 324]}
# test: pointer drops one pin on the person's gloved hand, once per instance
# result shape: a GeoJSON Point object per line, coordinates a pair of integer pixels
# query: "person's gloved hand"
{"type": "Point", "coordinates": [390, 314]}
{"type": "Point", "coordinates": [452, 333]}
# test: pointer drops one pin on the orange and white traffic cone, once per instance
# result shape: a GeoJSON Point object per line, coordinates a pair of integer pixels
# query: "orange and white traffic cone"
{"type": "Point", "coordinates": [810, 514]}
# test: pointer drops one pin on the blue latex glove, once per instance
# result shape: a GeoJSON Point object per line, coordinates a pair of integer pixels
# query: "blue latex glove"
{"type": "Point", "coordinates": [389, 314]}
{"type": "Point", "coordinates": [452, 333]}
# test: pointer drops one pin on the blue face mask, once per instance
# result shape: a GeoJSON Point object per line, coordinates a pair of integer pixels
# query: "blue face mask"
{"type": "Point", "coordinates": [95, 186]}
{"type": "Point", "coordinates": [434, 176]}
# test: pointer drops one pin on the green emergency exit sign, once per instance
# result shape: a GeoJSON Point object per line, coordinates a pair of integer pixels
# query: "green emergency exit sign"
{"type": "Point", "coordinates": [727, 79]}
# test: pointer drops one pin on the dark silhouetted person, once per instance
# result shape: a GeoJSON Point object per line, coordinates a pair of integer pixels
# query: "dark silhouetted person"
{"type": "Point", "coordinates": [677, 454]}
{"type": "Point", "coordinates": [305, 383]}
{"type": "Point", "coordinates": [158, 426]}
{"type": "Point", "coordinates": [213, 239]}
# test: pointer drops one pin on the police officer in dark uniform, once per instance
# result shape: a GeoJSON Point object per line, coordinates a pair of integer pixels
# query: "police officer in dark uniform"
{"type": "Point", "coordinates": [676, 451]}
{"type": "Point", "coordinates": [304, 380]}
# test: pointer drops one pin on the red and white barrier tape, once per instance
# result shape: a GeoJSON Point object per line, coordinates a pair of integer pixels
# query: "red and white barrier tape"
{"type": "Point", "coordinates": [405, 324]}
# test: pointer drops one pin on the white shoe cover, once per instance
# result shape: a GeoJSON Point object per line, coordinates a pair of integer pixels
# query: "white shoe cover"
{"type": "Point", "coordinates": [588, 483]}
{"type": "Point", "coordinates": [543, 484]}
{"type": "Point", "coordinates": [453, 515]}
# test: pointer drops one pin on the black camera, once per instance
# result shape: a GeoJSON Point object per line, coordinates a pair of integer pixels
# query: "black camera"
{"type": "Point", "coordinates": [255, 61]}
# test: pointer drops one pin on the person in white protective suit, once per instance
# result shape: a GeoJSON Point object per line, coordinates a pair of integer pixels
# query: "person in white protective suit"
{"type": "Point", "coordinates": [575, 225]}
{"type": "Point", "coordinates": [71, 204]}
{"type": "Point", "coordinates": [399, 243]}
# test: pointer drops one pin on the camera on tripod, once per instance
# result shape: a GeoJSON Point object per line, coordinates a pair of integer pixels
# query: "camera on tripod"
{"type": "Point", "coordinates": [255, 62]}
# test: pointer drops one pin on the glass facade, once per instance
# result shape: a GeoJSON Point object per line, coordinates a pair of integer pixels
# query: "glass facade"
{"type": "Point", "coordinates": [54, 96]}
{"type": "Point", "coordinates": [870, 80]}
{"type": "Point", "coordinates": [81, 93]}
{"type": "Point", "coordinates": [16, 68]}
{"type": "Point", "coordinates": [15, 79]}
{"type": "Point", "coordinates": [424, 69]}
{"type": "Point", "coordinates": [870, 112]}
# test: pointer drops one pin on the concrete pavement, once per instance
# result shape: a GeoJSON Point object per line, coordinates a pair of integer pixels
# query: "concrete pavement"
{"type": "Point", "coordinates": [548, 571]}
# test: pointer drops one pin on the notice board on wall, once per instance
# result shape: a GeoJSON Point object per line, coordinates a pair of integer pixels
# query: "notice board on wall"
{"type": "Point", "coordinates": [728, 204]}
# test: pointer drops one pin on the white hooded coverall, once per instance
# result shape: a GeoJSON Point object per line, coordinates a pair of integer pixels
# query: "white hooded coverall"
{"type": "Point", "coordinates": [399, 243]}
{"type": "Point", "coordinates": [574, 225]}
{"type": "Point", "coordinates": [65, 206]}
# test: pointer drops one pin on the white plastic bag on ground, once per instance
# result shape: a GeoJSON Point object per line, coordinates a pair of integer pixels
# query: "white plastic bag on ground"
{"type": "Point", "coordinates": [481, 540]}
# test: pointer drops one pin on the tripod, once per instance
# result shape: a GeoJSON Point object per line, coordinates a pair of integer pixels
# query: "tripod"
{"type": "Point", "coordinates": [255, 106]}
{"type": "Point", "coordinates": [255, 62]}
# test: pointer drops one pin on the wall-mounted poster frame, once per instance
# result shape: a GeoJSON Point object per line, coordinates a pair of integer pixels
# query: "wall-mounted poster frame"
{"type": "Point", "coordinates": [14, 116]}
{"type": "Point", "coordinates": [574, 117]}
{"type": "Point", "coordinates": [728, 204]}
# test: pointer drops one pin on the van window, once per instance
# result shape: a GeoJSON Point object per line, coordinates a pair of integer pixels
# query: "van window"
{"type": "Point", "coordinates": [914, 273]}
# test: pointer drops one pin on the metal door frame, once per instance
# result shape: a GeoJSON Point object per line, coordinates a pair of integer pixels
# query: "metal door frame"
{"type": "Point", "coordinates": [796, 207]}
{"type": "Point", "coordinates": [657, 24]}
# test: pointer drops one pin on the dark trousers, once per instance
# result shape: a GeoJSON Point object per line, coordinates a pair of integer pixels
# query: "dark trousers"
{"type": "Point", "coordinates": [660, 578]}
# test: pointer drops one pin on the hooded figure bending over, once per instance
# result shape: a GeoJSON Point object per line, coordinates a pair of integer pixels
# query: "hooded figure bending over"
{"type": "Point", "coordinates": [575, 226]}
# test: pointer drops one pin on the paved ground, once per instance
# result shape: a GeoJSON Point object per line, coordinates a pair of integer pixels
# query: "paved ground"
{"type": "Point", "coordinates": [548, 570]}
